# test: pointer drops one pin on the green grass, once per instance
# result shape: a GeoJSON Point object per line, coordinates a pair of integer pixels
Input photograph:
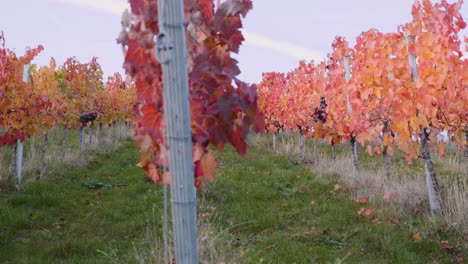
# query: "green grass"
{"type": "Point", "coordinates": [269, 209]}
{"type": "Point", "coordinates": [265, 201]}
{"type": "Point", "coordinates": [67, 221]}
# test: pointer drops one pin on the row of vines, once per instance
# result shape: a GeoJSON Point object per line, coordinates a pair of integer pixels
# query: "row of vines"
{"type": "Point", "coordinates": [397, 89]}
{"type": "Point", "coordinates": [34, 100]}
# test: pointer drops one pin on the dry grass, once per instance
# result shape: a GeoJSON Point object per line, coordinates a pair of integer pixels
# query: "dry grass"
{"type": "Point", "coordinates": [407, 192]}
{"type": "Point", "coordinates": [214, 244]}
{"type": "Point", "coordinates": [404, 192]}
{"type": "Point", "coordinates": [55, 156]}
{"type": "Point", "coordinates": [5, 168]}
{"type": "Point", "coordinates": [456, 204]}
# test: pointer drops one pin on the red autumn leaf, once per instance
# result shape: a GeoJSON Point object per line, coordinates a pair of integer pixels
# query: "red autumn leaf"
{"type": "Point", "coordinates": [377, 151]}
{"type": "Point", "coordinates": [152, 120]}
{"type": "Point", "coordinates": [198, 169]}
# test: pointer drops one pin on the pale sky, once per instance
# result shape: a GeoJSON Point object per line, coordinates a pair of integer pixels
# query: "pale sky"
{"type": "Point", "coordinates": [279, 33]}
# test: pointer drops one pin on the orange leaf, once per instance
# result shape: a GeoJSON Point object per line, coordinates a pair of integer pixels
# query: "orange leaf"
{"type": "Point", "coordinates": [441, 148]}
{"type": "Point", "coordinates": [362, 200]}
{"type": "Point", "coordinates": [208, 163]}
{"type": "Point", "coordinates": [364, 137]}
{"type": "Point", "coordinates": [152, 172]}
{"type": "Point", "coordinates": [387, 139]}
{"type": "Point", "coordinates": [416, 236]}
{"type": "Point", "coordinates": [166, 178]}
{"type": "Point", "coordinates": [368, 213]}
{"type": "Point", "coordinates": [414, 122]}
{"type": "Point", "coordinates": [369, 150]}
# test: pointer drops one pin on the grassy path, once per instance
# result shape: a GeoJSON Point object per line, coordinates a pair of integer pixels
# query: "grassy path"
{"type": "Point", "coordinates": [103, 207]}
{"type": "Point", "coordinates": [280, 212]}
{"type": "Point", "coordinates": [271, 209]}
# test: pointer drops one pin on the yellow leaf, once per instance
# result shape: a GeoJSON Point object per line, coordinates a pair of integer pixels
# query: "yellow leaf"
{"type": "Point", "coordinates": [336, 187]}
{"type": "Point", "coordinates": [414, 123]}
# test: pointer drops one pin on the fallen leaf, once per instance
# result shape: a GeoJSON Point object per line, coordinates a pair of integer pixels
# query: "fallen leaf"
{"type": "Point", "coordinates": [446, 245]}
{"type": "Point", "coordinates": [390, 196]}
{"type": "Point", "coordinates": [368, 213]}
{"type": "Point", "coordinates": [416, 236]}
{"type": "Point", "coordinates": [362, 200]}
{"type": "Point", "coordinates": [393, 220]}
{"type": "Point", "coordinates": [312, 232]}
{"type": "Point", "coordinates": [336, 187]}
{"type": "Point", "coordinates": [458, 258]}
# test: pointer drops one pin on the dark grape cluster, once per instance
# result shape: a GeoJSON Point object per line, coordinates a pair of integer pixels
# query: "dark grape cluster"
{"type": "Point", "coordinates": [320, 114]}
{"type": "Point", "coordinates": [89, 117]}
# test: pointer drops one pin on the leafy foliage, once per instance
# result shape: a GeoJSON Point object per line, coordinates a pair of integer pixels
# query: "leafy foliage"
{"type": "Point", "coordinates": [223, 108]}
{"type": "Point", "coordinates": [54, 95]}
{"type": "Point", "coordinates": [381, 98]}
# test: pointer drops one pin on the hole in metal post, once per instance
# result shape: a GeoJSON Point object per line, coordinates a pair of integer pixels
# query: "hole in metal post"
{"type": "Point", "coordinates": [164, 48]}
